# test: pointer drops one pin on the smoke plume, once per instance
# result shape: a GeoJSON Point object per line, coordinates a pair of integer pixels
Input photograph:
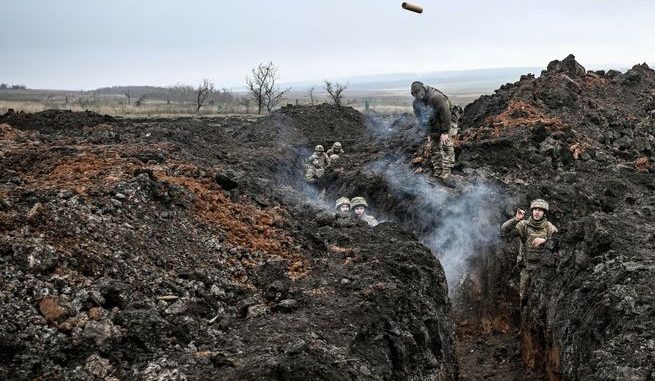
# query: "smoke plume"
{"type": "Point", "coordinates": [455, 224]}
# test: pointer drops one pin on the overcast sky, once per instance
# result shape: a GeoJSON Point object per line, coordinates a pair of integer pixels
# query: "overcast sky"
{"type": "Point", "coordinates": [84, 44]}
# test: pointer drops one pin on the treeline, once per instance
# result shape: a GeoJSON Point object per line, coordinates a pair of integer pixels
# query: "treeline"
{"type": "Point", "coordinates": [5, 86]}
{"type": "Point", "coordinates": [177, 93]}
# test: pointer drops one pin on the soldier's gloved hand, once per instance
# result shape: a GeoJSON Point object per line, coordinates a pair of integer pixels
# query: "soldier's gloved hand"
{"type": "Point", "coordinates": [538, 242]}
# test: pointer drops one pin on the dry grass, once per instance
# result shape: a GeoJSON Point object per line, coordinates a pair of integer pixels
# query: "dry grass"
{"type": "Point", "coordinates": [149, 109]}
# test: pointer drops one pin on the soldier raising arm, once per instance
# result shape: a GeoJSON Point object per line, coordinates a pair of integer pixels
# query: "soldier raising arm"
{"type": "Point", "coordinates": [532, 234]}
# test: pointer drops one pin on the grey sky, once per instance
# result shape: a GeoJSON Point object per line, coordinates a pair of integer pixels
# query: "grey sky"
{"type": "Point", "coordinates": [73, 44]}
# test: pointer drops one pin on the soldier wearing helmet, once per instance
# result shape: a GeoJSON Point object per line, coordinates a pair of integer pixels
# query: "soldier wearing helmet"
{"type": "Point", "coordinates": [342, 216]}
{"type": "Point", "coordinates": [342, 205]}
{"type": "Point", "coordinates": [319, 152]}
{"type": "Point", "coordinates": [314, 171]}
{"type": "Point", "coordinates": [359, 206]}
{"type": "Point", "coordinates": [335, 150]}
{"type": "Point", "coordinates": [436, 113]}
{"type": "Point", "coordinates": [532, 234]}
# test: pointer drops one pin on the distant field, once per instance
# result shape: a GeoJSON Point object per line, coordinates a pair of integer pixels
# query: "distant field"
{"type": "Point", "coordinates": [383, 101]}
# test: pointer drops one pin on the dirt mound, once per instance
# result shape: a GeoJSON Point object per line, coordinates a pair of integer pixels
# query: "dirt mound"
{"type": "Point", "coordinates": [567, 117]}
{"type": "Point", "coordinates": [583, 141]}
{"type": "Point", "coordinates": [179, 249]}
{"type": "Point", "coordinates": [52, 120]}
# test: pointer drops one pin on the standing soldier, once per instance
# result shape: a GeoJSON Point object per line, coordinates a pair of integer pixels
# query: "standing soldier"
{"type": "Point", "coordinates": [319, 152]}
{"type": "Point", "coordinates": [359, 205]}
{"type": "Point", "coordinates": [532, 233]}
{"type": "Point", "coordinates": [434, 111]}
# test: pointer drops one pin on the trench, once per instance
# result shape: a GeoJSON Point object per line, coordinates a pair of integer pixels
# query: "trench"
{"type": "Point", "coordinates": [461, 227]}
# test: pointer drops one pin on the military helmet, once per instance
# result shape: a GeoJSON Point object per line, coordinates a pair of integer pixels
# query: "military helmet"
{"type": "Point", "coordinates": [334, 157]}
{"type": "Point", "coordinates": [358, 201]}
{"type": "Point", "coordinates": [416, 86]}
{"type": "Point", "coordinates": [539, 203]}
{"type": "Point", "coordinates": [342, 201]}
{"type": "Point", "coordinates": [319, 148]}
{"type": "Point", "coordinates": [336, 145]}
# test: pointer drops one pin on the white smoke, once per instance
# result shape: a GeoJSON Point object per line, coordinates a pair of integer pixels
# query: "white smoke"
{"type": "Point", "coordinates": [454, 224]}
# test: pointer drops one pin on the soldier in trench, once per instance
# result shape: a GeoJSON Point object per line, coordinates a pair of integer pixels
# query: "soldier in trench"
{"type": "Point", "coordinates": [439, 116]}
{"type": "Point", "coordinates": [334, 152]}
{"type": "Point", "coordinates": [359, 206]}
{"type": "Point", "coordinates": [319, 153]}
{"type": "Point", "coordinates": [313, 173]}
{"type": "Point", "coordinates": [532, 234]}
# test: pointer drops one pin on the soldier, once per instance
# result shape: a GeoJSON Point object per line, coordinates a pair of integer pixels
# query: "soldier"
{"type": "Point", "coordinates": [359, 205]}
{"type": "Point", "coordinates": [436, 113]}
{"type": "Point", "coordinates": [343, 205]}
{"type": "Point", "coordinates": [532, 234]}
{"type": "Point", "coordinates": [314, 171]}
{"type": "Point", "coordinates": [342, 217]}
{"type": "Point", "coordinates": [336, 149]}
{"type": "Point", "coordinates": [319, 152]}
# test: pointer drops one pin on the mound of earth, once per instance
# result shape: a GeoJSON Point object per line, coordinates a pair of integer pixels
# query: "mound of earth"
{"type": "Point", "coordinates": [186, 249]}
{"type": "Point", "coordinates": [585, 142]}
{"type": "Point", "coordinates": [192, 248]}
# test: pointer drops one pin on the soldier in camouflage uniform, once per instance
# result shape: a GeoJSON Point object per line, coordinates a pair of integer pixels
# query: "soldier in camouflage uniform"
{"type": "Point", "coordinates": [435, 112]}
{"type": "Point", "coordinates": [342, 205]}
{"type": "Point", "coordinates": [532, 233]}
{"type": "Point", "coordinates": [343, 217]}
{"type": "Point", "coordinates": [319, 152]}
{"type": "Point", "coordinates": [359, 206]}
{"type": "Point", "coordinates": [335, 150]}
{"type": "Point", "coordinates": [314, 171]}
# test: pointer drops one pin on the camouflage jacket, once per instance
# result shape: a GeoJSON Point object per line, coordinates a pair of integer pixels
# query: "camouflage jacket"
{"type": "Point", "coordinates": [434, 111]}
{"type": "Point", "coordinates": [527, 231]}
{"type": "Point", "coordinates": [331, 152]}
{"type": "Point", "coordinates": [323, 158]}
{"type": "Point", "coordinates": [312, 174]}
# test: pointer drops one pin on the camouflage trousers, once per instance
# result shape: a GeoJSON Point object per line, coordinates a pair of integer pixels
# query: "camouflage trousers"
{"type": "Point", "coordinates": [525, 279]}
{"type": "Point", "coordinates": [442, 156]}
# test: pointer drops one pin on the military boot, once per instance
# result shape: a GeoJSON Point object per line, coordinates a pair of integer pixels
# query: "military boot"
{"type": "Point", "coordinates": [446, 178]}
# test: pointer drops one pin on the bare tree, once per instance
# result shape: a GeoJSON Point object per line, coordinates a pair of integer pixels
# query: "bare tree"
{"type": "Point", "coordinates": [205, 89]}
{"type": "Point", "coordinates": [128, 94]}
{"type": "Point", "coordinates": [310, 93]}
{"type": "Point", "coordinates": [263, 87]}
{"type": "Point", "coordinates": [334, 90]}
{"type": "Point", "coordinates": [246, 101]}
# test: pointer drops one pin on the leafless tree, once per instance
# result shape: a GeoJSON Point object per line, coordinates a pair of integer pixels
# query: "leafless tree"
{"type": "Point", "coordinates": [246, 102]}
{"type": "Point", "coordinates": [128, 94]}
{"type": "Point", "coordinates": [310, 93]}
{"type": "Point", "coordinates": [263, 86]}
{"type": "Point", "coordinates": [334, 90]}
{"type": "Point", "coordinates": [205, 89]}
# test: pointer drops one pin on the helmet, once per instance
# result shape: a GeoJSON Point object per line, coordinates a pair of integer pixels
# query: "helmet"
{"type": "Point", "coordinates": [416, 86]}
{"type": "Point", "coordinates": [336, 145]}
{"type": "Point", "coordinates": [334, 157]}
{"type": "Point", "coordinates": [342, 201]}
{"type": "Point", "coordinates": [358, 201]}
{"type": "Point", "coordinates": [539, 203]}
{"type": "Point", "coordinates": [319, 148]}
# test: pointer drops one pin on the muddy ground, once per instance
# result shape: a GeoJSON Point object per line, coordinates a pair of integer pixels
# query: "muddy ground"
{"type": "Point", "coordinates": [191, 249]}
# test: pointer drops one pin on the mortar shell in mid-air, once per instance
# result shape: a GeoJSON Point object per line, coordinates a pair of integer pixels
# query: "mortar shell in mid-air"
{"type": "Point", "coordinates": [413, 7]}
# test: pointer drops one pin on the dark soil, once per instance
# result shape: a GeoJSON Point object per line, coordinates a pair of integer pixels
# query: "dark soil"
{"type": "Point", "coordinates": [192, 249]}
